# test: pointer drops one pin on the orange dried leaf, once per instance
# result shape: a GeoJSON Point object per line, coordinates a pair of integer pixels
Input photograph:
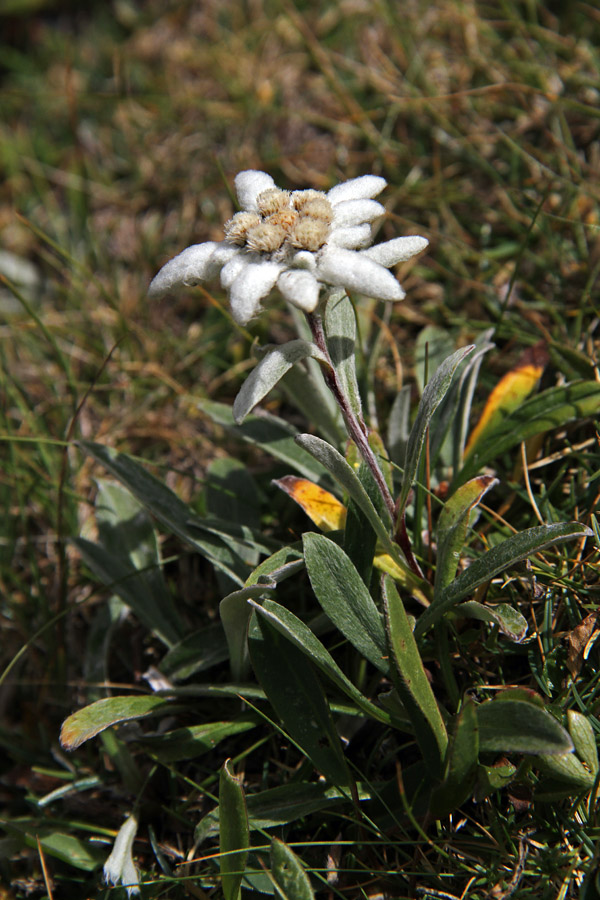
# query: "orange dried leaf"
{"type": "Point", "coordinates": [323, 508]}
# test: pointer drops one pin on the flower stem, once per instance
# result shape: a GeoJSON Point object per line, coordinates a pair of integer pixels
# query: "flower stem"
{"type": "Point", "coordinates": [358, 432]}
{"type": "Point", "coordinates": [356, 427]}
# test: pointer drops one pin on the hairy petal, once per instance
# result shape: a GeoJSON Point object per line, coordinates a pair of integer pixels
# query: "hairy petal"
{"type": "Point", "coordinates": [305, 260]}
{"type": "Point", "coordinates": [397, 250]}
{"type": "Point", "coordinates": [354, 212]}
{"type": "Point", "coordinates": [352, 238]}
{"type": "Point", "coordinates": [252, 284]}
{"type": "Point", "coordinates": [356, 272]}
{"type": "Point", "coordinates": [362, 188]}
{"type": "Point", "coordinates": [300, 288]}
{"type": "Point", "coordinates": [233, 268]}
{"type": "Point", "coordinates": [249, 184]}
{"type": "Point", "coordinates": [188, 267]}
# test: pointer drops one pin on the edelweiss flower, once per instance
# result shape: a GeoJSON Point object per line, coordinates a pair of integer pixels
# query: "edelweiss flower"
{"type": "Point", "coordinates": [298, 242]}
{"type": "Point", "coordinates": [120, 867]}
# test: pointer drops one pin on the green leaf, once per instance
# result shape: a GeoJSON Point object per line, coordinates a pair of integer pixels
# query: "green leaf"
{"type": "Point", "coordinates": [235, 611]}
{"type": "Point", "coordinates": [412, 683]}
{"type": "Point", "coordinates": [218, 542]}
{"type": "Point", "coordinates": [279, 806]}
{"type": "Point", "coordinates": [433, 346]}
{"type": "Point", "coordinates": [493, 778]}
{"type": "Point", "coordinates": [234, 833]}
{"type": "Point", "coordinates": [125, 557]}
{"type": "Point", "coordinates": [269, 371]}
{"type": "Point", "coordinates": [432, 396]}
{"type": "Point", "coordinates": [199, 651]}
{"type": "Point", "coordinates": [277, 567]}
{"type": "Point", "coordinates": [512, 726]}
{"type": "Point", "coordinates": [302, 637]}
{"type": "Point", "coordinates": [461, 763]}
{"type": "Point", "coordinates": [195, 740]}
{"type": "Point", "coordinates": [340, 330]}
{"type": "Point", "coordinates": [550, 409]}
{"type": "Point", "coordinates": [91, 720]}
{"type": "Point", "coordinates": [511, 551]}
{"type": "Point", "coordinates": [584, 738]}
{"type": "Point", "coordinates": [360, 540]}
{"type": "Point", "coordinates": [566, 768]}
{"type": "Point", "coordinates": [508, 619]}
{"type": "Point", "coordinates": [452, 528]}
{"type": "Point", "coordinates": [231, 493]}
{"type": "Point", "coordinates": [235, 614]}
{"type": "Point", "coordinates": [296, 695]}
{"type": "Point", "coordinates": [345, 475]}
{"type": "Point", "coordinates": [290, 879]}
{"type": "Point", "coordinates": [268, 432]}
{"type": "Point", "coordinates": [70, 849]}
{"type": "Point", "coordinates": [344, 598]}
{"type": "Point", "coordinates": [399, 425]}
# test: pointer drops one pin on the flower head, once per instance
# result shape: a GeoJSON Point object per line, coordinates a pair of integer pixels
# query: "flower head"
{"type": "Point", "coordinates": [120, 867]}
{"type": "Point", "coordinates": [296, 241]}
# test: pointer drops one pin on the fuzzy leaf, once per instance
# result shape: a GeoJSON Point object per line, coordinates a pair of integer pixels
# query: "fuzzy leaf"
{"type": "Point", "coordinates": [302, 637]}
{"type": "Point", "coordinates": [291, 881]}
{"type": "Point", "coordinates": [91, 720]}
{"type": "Point", "coordinates": [412, 683]}
{"type": "Point", "coordinates": [584, 738]}
{"type": "Point", "coordinates": [234, 833]}
{"type": "Point", "coordinates": [194, 740]}
{"type": "Point", "coordinates": [432, 396]}
{"type": "Point", "coordinates": [296, 695]}
{"type": "Point", "coordinates": [268, 372]}
{"type": "Point", "coordinates": [340, 330]}
{"type": "Point", "coordinates": [566, 768]}
{"type": "Point", "coordinates": [512, 550]}
{"type": "Point", "coordinates": [461, 763]}
{"type": "Point", "coordinates": [508, 619]}
{"type": "Point", "coordinates": [345, 475]}
{"type": "Point", "coordinates": [512, 726]}
{"type": "Point", "coordinates": [452, 528]}
{"type": "Point", "coordinates": [344, 598]}
{"type": "Point", "coordinates": [268, 432]}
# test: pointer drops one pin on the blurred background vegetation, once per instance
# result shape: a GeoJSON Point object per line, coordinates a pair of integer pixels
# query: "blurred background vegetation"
{"type": "Point", "coordinates": [122, 125]}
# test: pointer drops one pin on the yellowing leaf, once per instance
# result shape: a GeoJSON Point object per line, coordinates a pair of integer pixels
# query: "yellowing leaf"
{"type": "Point", "coordinates": [323, 508]}
{"type": "Point", "coordinates": [509, 393]}
{"type": "Point", "coordinates": [385, 563]}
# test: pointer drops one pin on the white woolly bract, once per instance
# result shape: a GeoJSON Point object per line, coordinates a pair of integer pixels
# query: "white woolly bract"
{"type": "Point", "coordinates": [120, 867]}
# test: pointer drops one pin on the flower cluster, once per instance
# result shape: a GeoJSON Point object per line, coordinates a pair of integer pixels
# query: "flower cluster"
{"type": "Point", "coordinates": [296, 241]}
{"type": "Point", "coordinates": [120, 867]}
